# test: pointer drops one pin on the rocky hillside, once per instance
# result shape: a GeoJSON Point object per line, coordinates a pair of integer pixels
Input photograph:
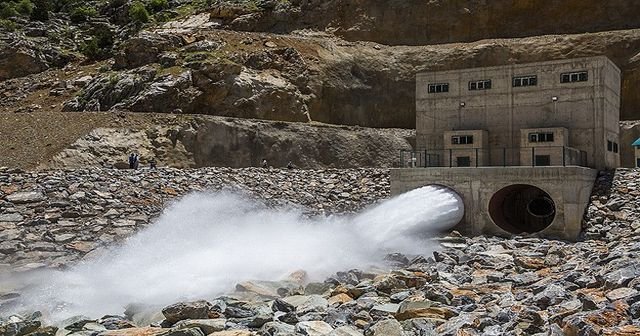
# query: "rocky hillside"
{"type": "Point", "coordinates": [416, 22]}
{"type": "Point", "coordinates": [473, 286]}
{"type": "Point", "coordinates": [338, 62]}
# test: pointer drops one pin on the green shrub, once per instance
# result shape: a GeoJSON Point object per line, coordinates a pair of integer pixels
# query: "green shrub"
{"type": "Point", "coordinates": [24, 7]}
{"type": "Point", "coordinates": [41, 10]}
{"type": "Point", "coordinates": [7, 10]}
{"type": "Point", "coordinates": [99, 46]}
{"type": "Point", "coordinates": [82, 14]}
{"type": "Point", "coordinates": [114, 78]}
{"type": "Point", "coordinates": [62, 5]}
{"type": "Point", "coordinates": [15, 8]}
{"type": "Point", "coordinates": [90, 49]}
{"type": "Point", "coordinates": [157, 5]}
{"type": "Point", "coordinates": [104, 38]}
{"type": "Point", "coordinates": [7, 25]}
{"type": "Point", "coordinates": [138, 13]}
{"type": "Point", "coordinates": [163, 17]}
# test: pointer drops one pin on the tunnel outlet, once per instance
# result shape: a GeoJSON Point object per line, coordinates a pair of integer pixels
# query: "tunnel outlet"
{"type": "Point", "coordinates": [522, 208]}
{"type": "Point", "coordinates": [541, 207]}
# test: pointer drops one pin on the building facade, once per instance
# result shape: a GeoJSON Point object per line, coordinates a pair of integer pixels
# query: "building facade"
{"type": "Point", "coordinates": [553, 113]}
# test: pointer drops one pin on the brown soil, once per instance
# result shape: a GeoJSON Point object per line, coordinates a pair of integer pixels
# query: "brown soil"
{"type": "Point", "coordinates": [29, 139]}
{"type": "Point", "coordinates": [33, 129]}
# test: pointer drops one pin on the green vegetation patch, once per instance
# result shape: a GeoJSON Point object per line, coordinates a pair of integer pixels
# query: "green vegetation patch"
{"type": "Point", "coordinates": [138, 13]}
{"type": "Point", "coordinates": [15, 8]}
{"type": "Point", "coordinates": [82, 14]}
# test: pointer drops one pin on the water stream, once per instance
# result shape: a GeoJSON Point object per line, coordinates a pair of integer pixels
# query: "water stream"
{"type": "Point", "coordinates": [205, 243]}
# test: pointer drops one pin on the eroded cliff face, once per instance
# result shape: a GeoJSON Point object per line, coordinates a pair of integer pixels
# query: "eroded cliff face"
{"type": "Point", "coordinates": [228, 142]}
{"type": "Point", "coordinates": [303, 78]}
{"type": "Point", "coordinates": [420, 22]}
{"type": "Point", "coordinates": [348, 62]}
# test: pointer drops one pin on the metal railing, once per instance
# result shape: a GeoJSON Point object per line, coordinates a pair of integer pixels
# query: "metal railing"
{"type": "Point", "coordinates": [495, 157]}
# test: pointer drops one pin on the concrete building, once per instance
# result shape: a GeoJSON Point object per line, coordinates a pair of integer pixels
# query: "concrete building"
{"type": "Point", "coordinates": [562, 112]}
{"type": "Point", "coordinates": [521, 144]}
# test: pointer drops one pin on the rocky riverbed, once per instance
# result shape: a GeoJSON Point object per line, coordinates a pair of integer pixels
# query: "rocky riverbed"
{"type": "Point", "coordinates": [52, 218]}
{"type": "Point", "coordinates": [471, 286]}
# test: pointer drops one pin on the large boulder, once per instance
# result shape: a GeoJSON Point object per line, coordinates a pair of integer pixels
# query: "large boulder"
{"type": "Point", "coordinates": [187, 310]}
{"type": "Point", "coordinates": [388, 327]}
{"type": "Point", "coordinates": [26, 197]}
{"type": "Point", "coordinates": [21, 56]}
{"type": "Point", "coordinates": [313, 328]}
{"type": "Point", "coordinates": [145, 48]}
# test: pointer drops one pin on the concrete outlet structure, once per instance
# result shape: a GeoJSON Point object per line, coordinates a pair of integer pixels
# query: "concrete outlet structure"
{"type": "Point", "coordinates": [547, 201]}
{"type": "Point", "coordinates": [520, 143]}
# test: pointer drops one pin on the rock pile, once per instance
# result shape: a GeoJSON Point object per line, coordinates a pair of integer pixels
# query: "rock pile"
{"type": "Point", "coordinates": [472, 286]}
{"type": "Point", "coordinates": [55, 217]}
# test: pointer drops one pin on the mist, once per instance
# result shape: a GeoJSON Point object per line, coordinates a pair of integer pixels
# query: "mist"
{"type": "Point", "coordinates": [205, 243]}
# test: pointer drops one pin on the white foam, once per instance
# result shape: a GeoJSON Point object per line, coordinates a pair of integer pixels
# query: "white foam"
{"type": "Point", "coordinates": [205, 243]}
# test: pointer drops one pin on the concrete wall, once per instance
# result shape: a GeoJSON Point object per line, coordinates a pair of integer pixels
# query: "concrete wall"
{"type": "Point", "coordinates": [475, 152]}
{"type": "Point", "coordinates": [589, 109]}
{"type": "Point", "coordinates": [569, 188]}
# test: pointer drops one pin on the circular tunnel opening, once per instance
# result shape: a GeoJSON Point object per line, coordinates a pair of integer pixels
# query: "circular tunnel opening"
{"type": "Point", "coordinates": [522, 208]}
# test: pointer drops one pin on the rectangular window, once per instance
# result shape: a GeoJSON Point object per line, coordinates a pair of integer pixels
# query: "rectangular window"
{"type": "Point", "coordinates": [462, 139]}
{"type": "Point", "coordinates": [438, 87]}
{"type": "Point", "coordinates": [525, 81]}
{"type": "Point", "coordinates": [609, 146]}
{"type": "Point", "coordinates": [615, 147]}
{"type": "Point", "coordinates": [480, 85]}
{"type": "Point", "coordinates": [463, 161]}
{"type": "Point", "coordinates": [541, 137]}
{"type": "Point", "coordinates": [570, 77]}
{"type": "Point", "coordinates": [543, 160]}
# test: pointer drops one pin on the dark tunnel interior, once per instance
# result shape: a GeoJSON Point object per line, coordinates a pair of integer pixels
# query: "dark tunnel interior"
{"type": "Point", "coordinates": [522, 208]}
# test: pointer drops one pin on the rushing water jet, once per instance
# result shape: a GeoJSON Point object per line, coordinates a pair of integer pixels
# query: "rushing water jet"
{"type": "Point", "coordinates": [206, 242]}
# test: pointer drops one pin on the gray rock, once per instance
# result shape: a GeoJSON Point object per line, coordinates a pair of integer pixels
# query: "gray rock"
{"type": "Point", "coordinates": [622, 276]}
{"type": "Point", "coordinates": [282, 306]}
{"type": "Point", "coordinates": [19, 328]}
{"type": "Point", "coordinates": [26, 197]}
{"type": "Point", "coordinates": [621, 293]}
{"type": "Point", "coordinates": [11, 217]}
{"type": "Point", "coordinates": [207, 326]}
{"type": "Point", "coordinates": [308, 303]}
{"type": "Point", "coordinates": [346, 331]}
{"type": "Point", "coordinates": [194, 331]}
{"type": "Point", "coordinates": [634, 310]}
{"type": "Point", "coordinates": [277, 329]}
{"type": "Point", "coordinates": [551, 295]}
{"type": "Point", "coordinates": [389, 327]}
{"type": "Point", "coordinates": [313, 328]}
{"type": "Point", "coordinates": [187, 311]}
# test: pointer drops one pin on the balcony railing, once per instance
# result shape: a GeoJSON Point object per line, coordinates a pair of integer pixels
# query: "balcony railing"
{"type": "Point", "coordinates": [495, 157]}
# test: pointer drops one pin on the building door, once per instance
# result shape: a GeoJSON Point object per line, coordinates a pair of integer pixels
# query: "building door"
{"type": "Point", "coordinates": [638, 162]}
{"type": "Point", "coordinates": [463, 161]}
{"type": "Point", "coordinates": [543, 160]}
